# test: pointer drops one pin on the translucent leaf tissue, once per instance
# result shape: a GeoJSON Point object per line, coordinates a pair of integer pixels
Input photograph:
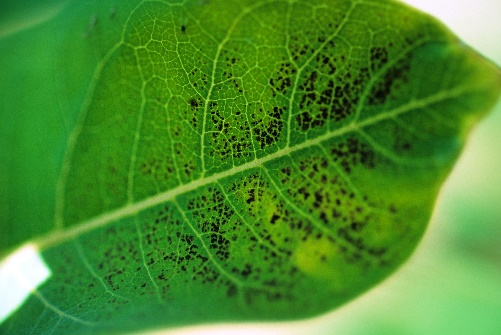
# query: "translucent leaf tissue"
{"type": "Point", "coordinates": [184, 162]}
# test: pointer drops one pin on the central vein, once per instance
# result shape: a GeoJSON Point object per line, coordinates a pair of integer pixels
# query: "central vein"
{"type": "Point", "coordinates": [57, 237]}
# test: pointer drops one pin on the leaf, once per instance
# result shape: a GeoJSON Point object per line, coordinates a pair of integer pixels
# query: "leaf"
{"type": "Point", "coordinates": [178, 163]}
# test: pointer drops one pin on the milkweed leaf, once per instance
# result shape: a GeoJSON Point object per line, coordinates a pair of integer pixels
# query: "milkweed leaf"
{"type": "Point", "coordinates": [181, 162]}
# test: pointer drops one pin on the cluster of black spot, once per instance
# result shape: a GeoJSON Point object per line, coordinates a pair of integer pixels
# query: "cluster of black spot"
{"type": "Point", "coordinates": [194, 109]}
{"type": "Point", "coordinates": [208, 274]}
{"type": "Point", "coordinates": [125, 251]}
{"type": "Point", "coordinates": [252, 200]}
{"type": "Point", "coordinates": [74, 278]}
{"type": "Point", "coordinates": [211, 214]}
{"type": "Point", "coordinates": [351, 235]}
{"type": "Point", "coordinates": [301, 50]}
{"type": "Point", "coordinates": [323, 93]}
{"type": "Point", "coordinates": [335, 205]}
{"type": "Point", "coordinates": [285, 174]}
{"type": "Point", "coordinates": [327, 64]}
{"type": "Point", "coordinates": [267, 129]}
{"type": "Point", "coordinates": [336, 100]}
{"type": "Point", "coordinates": [305, 228]}
{"type": "Point", "coordinates": [156, 167]}
{"type": "Point", "coordinates": [254, 187]}
{"type": "Point", "coordinates": [199, 79]}
{"type": "Point", "coordinates": [402, 140]}
{"type": "Point", "coordinates": [352, 152]}
{"type": "Point", "coordinates": [153, 252]}
{"type": "Point", "coordinates": [320, 191]}
{"type": "Point", "coordinates": [238, 86]}
{"type": "Point", "coordinates": [182, 254]}
{"type": "Point", "coordinates": [231, 138]}
{"type": "Point", "coordinates": [390, 83]}
{"type": "Point", "coordinates": [188, 167]}
{"type": "Point", "coordinates": [291, 227]}
{"type": "Point", "coordinates": [283, 79]}
{"type": "Point", "coordinates": [268, 293]}
{"type": "Point", "coordinates": [378, 57]}
{"type": "Point", "coordinates": [273, 276]}
{"type": "Point", "coordinates": [217, 118]}
{"type": "Point", "coordinates": [230, 62]}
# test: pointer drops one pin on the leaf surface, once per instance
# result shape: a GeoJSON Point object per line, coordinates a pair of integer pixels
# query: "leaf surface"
{"type": "Point", "coordinates": [205, 161]}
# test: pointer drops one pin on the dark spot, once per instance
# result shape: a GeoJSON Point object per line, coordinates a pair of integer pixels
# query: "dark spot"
{"type": "Point", "coordinates": [357, 226]}
{"type": "Point", "coordinates": [246, 271]}
{"type": "Point", "coordinates": [282, 80]}
{"type": "Point", "coordinates": [388, 86]}
{"type": "Point", "coordinates": [251, 197]}
{"type": "Point", "coordinates": [336, 101]}
{"type": "Point", "coordinates": [194, 103]}
{"type": "Point", "coordinates": [377, 252]}
{"type": "Point", "coordinates": [274, 218]}
{"type": "Point", "coordinates": [232, 290]}
{"type": "Point", "coordinates": [351, 153]}
{"type": "Point", "coordinates": [378, 58]}
{"type": "Point", "coordinates": [267, 130]}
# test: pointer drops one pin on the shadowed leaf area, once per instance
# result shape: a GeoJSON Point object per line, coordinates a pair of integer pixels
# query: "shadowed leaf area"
{"type": "Point", "coordinates": [206, 161]}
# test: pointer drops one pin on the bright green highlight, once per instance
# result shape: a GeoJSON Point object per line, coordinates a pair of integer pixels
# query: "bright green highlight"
{"type": "Point", "coordinates": [205, 161]}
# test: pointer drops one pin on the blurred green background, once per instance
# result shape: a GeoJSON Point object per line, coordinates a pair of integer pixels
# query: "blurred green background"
{"type": "Point", "coordinates": [452, 283]}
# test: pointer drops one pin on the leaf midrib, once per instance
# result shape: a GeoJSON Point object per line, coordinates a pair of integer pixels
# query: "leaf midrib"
{"type": "Point", "coordinates": [60, 236]}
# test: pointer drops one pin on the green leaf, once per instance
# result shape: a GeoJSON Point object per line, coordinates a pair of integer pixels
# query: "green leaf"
{"type": "Point", "coordinates": [186, 162]}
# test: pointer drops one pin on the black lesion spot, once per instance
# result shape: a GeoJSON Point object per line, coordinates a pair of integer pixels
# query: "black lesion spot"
{"type": "Point", "coordinates": [231, 291]}
{"type": "Point", "coordinates": [300, 50]}
{"type": "Point", "coordinates": [198, 78]}
{"type": "Point", "coordinates": [231, 138]}
{"type": "Point", "coordinates": [183, 28]}
{"type": "Point", "coordinates": [377, 252]}
{"type": "Point", "coordinates": [194, 103]}
{"type": "Point", "coordinates": [388, 86]}
{"type": "Point", "coordinates": [318, 199]}
{"type": "Point", "coordinates": [352, 152]}
{"type": "Point", "coordinates": [211, 211]}
{"type": "Point", "coordinates": [274, 218]}
{"type": "Point", "coordinates": [336, 100]}
{"type": "Point", "coordinates": [357, 226]}
{"type": "Point", "coordinates": [251, 196]}
{"type": "Point", "coordinates": [207, 274]}
{"type": "Point", "coordinates": [245, 272]}
{"type": "Point", "coordinates": [268, 129]}
{"type": "Point", "coordinates": [213, 215]}
{"type": "Point", "coordinates": [378, 58]}
{"type": "Point", "coordinates": [402, 141]}
{"type": "Point", "coordinates": [286, 170]}
{"type": "Point", "coordinates": [283, 79]}
{"type": "Point", "coordinates": [221, 245]}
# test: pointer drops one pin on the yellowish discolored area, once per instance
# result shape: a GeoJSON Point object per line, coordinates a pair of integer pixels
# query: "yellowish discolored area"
{"type": "Point", "coordinates": [318, 258]}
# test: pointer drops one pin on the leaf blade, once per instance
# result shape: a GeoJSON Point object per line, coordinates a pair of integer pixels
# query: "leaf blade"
{"type": "Point", "coordinates": [251, 177]}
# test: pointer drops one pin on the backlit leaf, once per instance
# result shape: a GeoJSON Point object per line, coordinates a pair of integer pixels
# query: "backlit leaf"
{"type": "Point", "coordinates": [185, 162]}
